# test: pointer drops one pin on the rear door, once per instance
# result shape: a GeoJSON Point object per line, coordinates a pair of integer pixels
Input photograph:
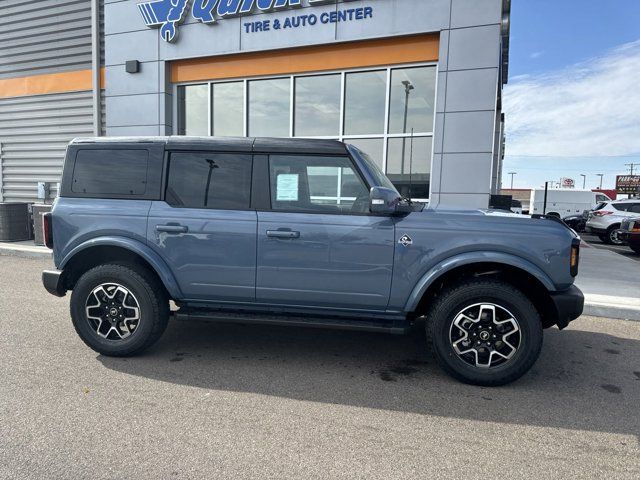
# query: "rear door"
{"type": "Point", "coordinates": [318, 246]}
{"type": "Point", "coordinates": [205, 228]}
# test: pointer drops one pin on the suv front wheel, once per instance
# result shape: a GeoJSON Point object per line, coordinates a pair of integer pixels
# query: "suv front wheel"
{"type": "Point", "coordinates": [119, 310]}
{"type": "Point", "coordinates": [612, 237]}
{"type": "Point", "coordinates": [485, 332]}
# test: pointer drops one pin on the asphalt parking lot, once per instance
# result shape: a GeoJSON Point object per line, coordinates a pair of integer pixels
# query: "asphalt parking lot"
{"type": "Point", "coordinates": [623, 250]}
{"type": "Point", "coordinates": [221, 401]}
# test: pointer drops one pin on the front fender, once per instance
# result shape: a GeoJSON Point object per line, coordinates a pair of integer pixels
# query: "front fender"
{"type": "Point", "coordinates": [139, 248]}
{"type": "Point", "coordinates": [469, 258]}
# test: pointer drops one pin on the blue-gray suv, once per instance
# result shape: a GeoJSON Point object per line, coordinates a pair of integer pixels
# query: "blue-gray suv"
{"type": "Point", "coordinates": [297, 232]}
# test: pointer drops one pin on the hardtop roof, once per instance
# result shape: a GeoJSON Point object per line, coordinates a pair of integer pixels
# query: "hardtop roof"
{"type": "Point", "coordinates": [239, 144]}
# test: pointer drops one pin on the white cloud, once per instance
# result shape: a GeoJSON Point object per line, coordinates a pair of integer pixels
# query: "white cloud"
{"type": "Point", "coordinates": [535, 55]}
{"type": "Point", "coordinates": [589, 109]}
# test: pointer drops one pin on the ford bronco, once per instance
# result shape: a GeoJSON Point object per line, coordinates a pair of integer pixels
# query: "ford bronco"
{"type": "Point", "coordinates": [298, 232]}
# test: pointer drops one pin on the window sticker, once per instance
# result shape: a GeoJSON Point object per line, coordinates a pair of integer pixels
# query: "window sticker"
{"type": "Point", "coordinates": [287, 188]}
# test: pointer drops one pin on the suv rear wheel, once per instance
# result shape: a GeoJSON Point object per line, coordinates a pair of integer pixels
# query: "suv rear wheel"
{"type": "Point", "coordinates": [485, 332]}
{"type": "Point", "coordinates": [119, 310]}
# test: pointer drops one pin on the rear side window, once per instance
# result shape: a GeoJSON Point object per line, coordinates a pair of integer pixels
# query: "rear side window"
{"type": "Point", "coordinates": [623, 207]}
{"type": "Point", "coordinates": [601, 206]}
{"type": "Point", "coordinates": [110, 172]}
{"type": "Point", "coordinates": [209, 180]}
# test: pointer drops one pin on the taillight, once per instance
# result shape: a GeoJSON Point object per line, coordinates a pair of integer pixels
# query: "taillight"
{"type": "Point", "coordinates": [47, 232]}
{"type": "Point", "coordinates": [602, 213]}
{"type": "Point", "coordinates": [635, 227]}
{"type": "Point", "coordinates": [575, 257]}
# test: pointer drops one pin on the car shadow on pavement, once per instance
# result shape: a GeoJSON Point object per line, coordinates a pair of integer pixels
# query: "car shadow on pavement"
{"type": "Point", "coordinates": [582, 381]}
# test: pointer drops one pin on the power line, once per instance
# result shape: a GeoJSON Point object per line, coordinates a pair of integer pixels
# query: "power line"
{"type": "Point", "coordinates": [631, 166]}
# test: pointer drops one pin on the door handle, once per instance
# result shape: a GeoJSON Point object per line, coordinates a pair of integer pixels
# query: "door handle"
{"type": "Point", "coordinates": [175, 229]}
{"type": "Point", "coordinates": [283, 234]}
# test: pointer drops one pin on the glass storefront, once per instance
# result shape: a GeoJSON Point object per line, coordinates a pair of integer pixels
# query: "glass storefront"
{"type": "Point", "coordinates": [386, 112]}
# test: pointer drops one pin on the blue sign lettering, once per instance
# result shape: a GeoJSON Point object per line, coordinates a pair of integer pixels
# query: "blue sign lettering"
{"type": "Point", "coordinates": [168, 14]}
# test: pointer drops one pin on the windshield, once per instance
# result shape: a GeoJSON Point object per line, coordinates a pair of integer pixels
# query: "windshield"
{"type": "Point", "coordinates": [379, 178]}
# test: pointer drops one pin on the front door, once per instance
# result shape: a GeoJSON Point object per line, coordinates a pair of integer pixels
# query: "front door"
{"type": "Point", "coordinates": [205, 229]}
{"type": "Point", "coordinates": [318, 246]}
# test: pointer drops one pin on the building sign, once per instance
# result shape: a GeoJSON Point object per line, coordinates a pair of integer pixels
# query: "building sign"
{"type": "Point", "coordinates": [168, 14]}
{"type": "Point", "coordinates": [629, 184]}
{"type": "Point", "coordinates": [568, 183]}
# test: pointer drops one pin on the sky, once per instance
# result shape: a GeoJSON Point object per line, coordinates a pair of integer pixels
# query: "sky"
{"type": "Point", "coordinates": [572, 104]}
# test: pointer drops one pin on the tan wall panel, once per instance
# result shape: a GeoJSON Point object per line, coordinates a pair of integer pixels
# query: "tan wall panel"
{"type": "Point", "coordinates": [388, 51]}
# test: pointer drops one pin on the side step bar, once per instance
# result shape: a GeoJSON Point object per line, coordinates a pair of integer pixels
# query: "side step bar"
{"type": "Point", "coordinates": [384, 326]}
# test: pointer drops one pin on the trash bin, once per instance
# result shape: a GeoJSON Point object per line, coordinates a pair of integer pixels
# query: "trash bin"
{"type": "Point", "coordinates": [38, 211]}
{"type": "Point", "coordinates": [15, 225]}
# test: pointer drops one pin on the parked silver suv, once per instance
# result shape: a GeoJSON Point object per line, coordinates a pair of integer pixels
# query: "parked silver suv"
{"type": "Point", "coordinates": [605, 220]}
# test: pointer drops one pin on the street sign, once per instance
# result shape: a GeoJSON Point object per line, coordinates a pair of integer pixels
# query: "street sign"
{"type": "Point", "coordinates": [629, 184]}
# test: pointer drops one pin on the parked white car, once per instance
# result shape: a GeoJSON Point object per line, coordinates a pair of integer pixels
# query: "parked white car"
{"type": "Point", "coordinates": [564, 202]}
{"type": "Point", "coordinates": [605, 220]}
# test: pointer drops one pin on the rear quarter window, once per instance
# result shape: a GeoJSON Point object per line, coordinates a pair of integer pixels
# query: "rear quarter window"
{"type": "Point", "coordinates": [110, 172]}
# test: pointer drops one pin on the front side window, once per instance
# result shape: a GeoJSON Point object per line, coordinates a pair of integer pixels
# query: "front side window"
{"type": "Point", "coordinates": [209, 180]}
{"type": "Point", "coordinates": [316, 184]}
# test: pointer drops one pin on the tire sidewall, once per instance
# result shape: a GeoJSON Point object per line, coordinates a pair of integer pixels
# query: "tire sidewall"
{"type": "Point", "coordinates": [518, 305]}
{"type": "Point", "coordinates": [112, 274]}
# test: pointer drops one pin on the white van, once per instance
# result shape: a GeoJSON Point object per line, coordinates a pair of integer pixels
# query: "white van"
{"type": "Point", "coordinates": [565, 202]}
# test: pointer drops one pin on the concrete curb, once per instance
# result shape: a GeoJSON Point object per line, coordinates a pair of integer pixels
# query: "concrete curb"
{"type": "Point", "coordinates": [623, 308]}
{"type": "Point", "coordinates": [24, 251]}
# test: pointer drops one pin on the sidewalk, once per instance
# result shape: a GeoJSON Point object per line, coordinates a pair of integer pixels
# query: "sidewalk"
{"type": "Point", "coordinates": [610, 282]}
{"type": "Point", "coordinates": [24, 249]}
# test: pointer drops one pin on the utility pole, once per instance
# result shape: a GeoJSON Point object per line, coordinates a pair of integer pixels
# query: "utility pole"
{"type": "Point", "coordinates": [632, 166]}
{"type": "Point", "coordinates": [512, 175]}
{"type": "Point", "coordinates": [600, 175]}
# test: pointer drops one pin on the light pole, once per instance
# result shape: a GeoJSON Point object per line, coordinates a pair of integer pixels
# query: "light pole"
{"type": "Point", "coordinates": [512, 175]}
{"type": "Point", "coordinates": [600, 175]}
{"type": "Point", "coordinates": [408, 86]}
{"type": "Point", "coordinates": [584, 181]}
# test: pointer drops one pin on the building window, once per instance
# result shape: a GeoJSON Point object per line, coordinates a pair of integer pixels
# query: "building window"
{"type": "Point", "coordinates": [227, 107]}
{"type": "Point", "coordinates": [269, 107]}
{"type": "Point", "coordinates": [365, 103]}
{"type": "Point", "coordinates": [317, 106]}
{"type": "Point", "coordinates": [386, 112]}
{"type": "Point", "coordinates": [193, 103]}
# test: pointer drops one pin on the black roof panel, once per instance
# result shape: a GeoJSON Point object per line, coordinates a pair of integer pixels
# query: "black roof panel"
{"type": "Point", "coordinates": [233, 144]}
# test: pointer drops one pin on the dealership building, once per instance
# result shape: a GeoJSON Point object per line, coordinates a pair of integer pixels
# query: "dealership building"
{"type": "Point", "coordinates": [416, 84]}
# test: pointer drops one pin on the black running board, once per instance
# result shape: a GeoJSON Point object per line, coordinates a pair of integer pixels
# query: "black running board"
{"type": "Point", "coordinates": [384, 326]}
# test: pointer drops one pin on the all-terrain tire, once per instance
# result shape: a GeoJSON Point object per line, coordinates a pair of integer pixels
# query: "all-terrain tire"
{"type": "Point", "coordinates": [454, 300]}
{"type": "Point", "coordinates": [147, 290]}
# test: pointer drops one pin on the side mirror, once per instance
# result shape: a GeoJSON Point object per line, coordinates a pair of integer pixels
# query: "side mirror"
{"type": "Point", "coordinates": [383, 201]}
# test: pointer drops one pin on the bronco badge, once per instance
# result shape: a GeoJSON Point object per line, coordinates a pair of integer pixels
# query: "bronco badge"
{"type": "Point", "coordinates": [405, 241]}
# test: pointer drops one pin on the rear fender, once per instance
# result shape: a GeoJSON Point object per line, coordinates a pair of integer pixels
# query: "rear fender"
{"type": "Point", "coordinates": [139, 248]}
